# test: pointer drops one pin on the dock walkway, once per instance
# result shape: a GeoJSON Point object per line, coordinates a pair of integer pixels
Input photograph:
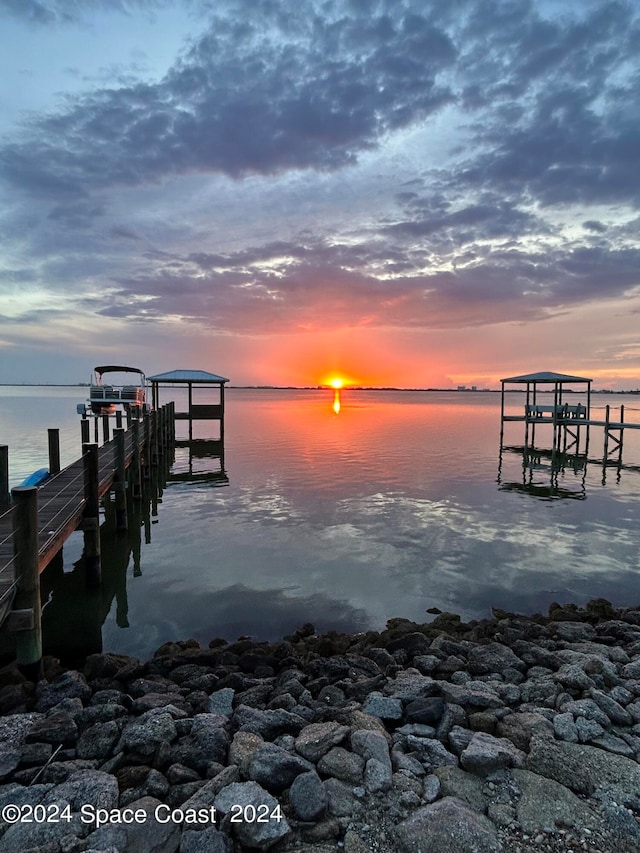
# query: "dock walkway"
{"type": "Point", "coordinates": [61, 504]}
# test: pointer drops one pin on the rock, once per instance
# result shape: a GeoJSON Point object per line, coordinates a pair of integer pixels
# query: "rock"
{"type": "Point", "coordinates": [270, 723]}
{"type": "Point", "coordinates": [316, 740]}
{"type": "Point", "coordinates": [544, 803]}
{"type": "Point", "coordinates": [342, 764]}
{"type": "Point", "coordinates": [427, 710]}
{"type": "Point", "coordinates": [146, 836]}
{"type": "Point", "coordinates": [493, 657]}
{"type": "Point", "coordinates": [308, 797]}
{"type": "Point", "coordinates": [98, 740]}
{"type": "Point", "coordinates": [209, 840]}
{"type": "Point", "coordinates": [55, 728]}
{"type": "Point", "coordinates": [447, 826]}
{"type": "Point", "coordinates": [564, 727]}
{"type": "Point", "coordinates": [486, 753]}
{"type": "Point", "coordinates": [221, 701]}
{"type": "Point", "coordinates": [249, 798]}
{"type": "Point", "coordinates": [583, 769]}
{"type": "Point", "coordinates": [242, 749]}
{"type": "Point", "coordinates": [378, 776]}
{"type": "Point", "coordinates": [340, 798]}
{"type": "Point", "coordinates": [474, 693]}
{"type": "Point", "coordinates": [520, 727]}
{"type": "Point", "coordinates": [69, 685]}
{"type": "Point", "coordinates": [274, 768]}
{"type": "Point", "coordinates": [146, 733]}
{"type": "Point", "coordinates": [370, 744]}
{"type": "Point", "coordinates": [614, 711]}
{"type": "Point", "coordinates": [432, 752]}
{"type": "Point", "coordinates": [383, 706]}
{"type": "Point", "coordinates": [456, 782]}
{"type": "Point", "coordinates": [431, 788]}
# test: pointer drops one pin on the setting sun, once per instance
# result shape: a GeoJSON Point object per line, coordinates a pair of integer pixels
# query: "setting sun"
{"type": "Point", "coordinates": [337, 383]}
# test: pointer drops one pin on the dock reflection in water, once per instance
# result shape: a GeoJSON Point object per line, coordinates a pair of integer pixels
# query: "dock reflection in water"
{"type": "Point", "coordinates": [73, 614]}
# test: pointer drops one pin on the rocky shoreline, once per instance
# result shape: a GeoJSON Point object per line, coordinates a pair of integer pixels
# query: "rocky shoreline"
{"type": "Point", "coordinates": [507, 734]}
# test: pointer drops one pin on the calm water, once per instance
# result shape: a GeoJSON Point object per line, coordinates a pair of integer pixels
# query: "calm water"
{"type": "Point", "coordinates": [399, 502]}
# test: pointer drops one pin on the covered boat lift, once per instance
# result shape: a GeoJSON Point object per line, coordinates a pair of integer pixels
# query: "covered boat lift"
{"type": "Point", "coordinates": [195, 412]}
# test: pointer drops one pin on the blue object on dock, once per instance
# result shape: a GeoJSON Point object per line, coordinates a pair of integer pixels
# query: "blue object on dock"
{"type": "Point", "coordinates": [36, 478]}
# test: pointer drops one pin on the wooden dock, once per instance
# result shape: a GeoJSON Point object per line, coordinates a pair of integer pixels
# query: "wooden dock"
{"type": "Point", "coordinates": [69, 500]}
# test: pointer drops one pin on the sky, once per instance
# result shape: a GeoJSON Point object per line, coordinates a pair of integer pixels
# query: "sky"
{"type": "Point", "coordinates": [411, 193]}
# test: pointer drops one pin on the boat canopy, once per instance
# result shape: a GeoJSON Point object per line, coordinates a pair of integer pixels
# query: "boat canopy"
{"type": "Point", "coordinates": [117, 368]}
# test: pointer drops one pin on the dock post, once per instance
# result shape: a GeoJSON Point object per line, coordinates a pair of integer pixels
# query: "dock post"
{"type": "Point", "coordinates": [154, 438]}
{"type": "Point", "coordinates": [146, 446]}
{"type": "Point", "coordinates": [25, 544]}
{"type": "Point", "coordinates": [129, 415]}
{"type": "Point", "coordinates": [54, 451]}
{"type": "Point", "coordinates": [4, 476]}
{"type": "Point", "coordinates": [606, 433]}
{"type": "Point", "coordinates": [91, 516]}
{"type": "Point", "coordinates": [120, 481]}
{"type": "Point", "coordinates": [118, 419]}
{"type": "Point", "coordinates": [84, 431]}
{"type": "Point", "coordinates": [172, 422]}
{"type": "Point", "coordinates": [105, 429]}
{"type": "Point", "coordinates": [621, 435]}
{"type": "Point", "coordinates": [136, 490]}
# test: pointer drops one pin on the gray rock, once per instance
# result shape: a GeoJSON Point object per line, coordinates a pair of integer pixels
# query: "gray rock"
{"type": "Point", "coordinates": [456, 782]}
{"type": "Point", "coordinates": [409, 684]}
{"type": "Point", "coordinates": [384, 707]}
{"type": "Point", "coordinates": [145, 734]}
{"type": "Point", "coordinates": [426, 664]}
{"type": "Point", "coordinates": [493, 657]}
{"type": "Point", "coordinates": [210, 737]}
{"type": "Point", "coordinates": [377, 775]}
{"type": "Point", "coordinates": [98, 740]}
{"type": "Point", "coordinates": [89, 787]}
{"type": "Point", "coordinates": [447, 826]}
{"type": "Point", "coordinates": [148, 836]}
{"type": "Point", "coordinates": [431, 788]}
{"type": "Point", "coordinates": [614, 711]}
{"type": "Point", "coordinates": [573, 677]}
{"type": "Point", "coordinates": [487, 753]}
{"type": "Point", "coordinates": [316, 739]}
{"type": "Point", "coordinates": [10, 757]}
{"type": "Point", "coordinates": [274, 768]}
{"type": "Point", "coordinates": [209, 840]}
{"type": "Point", "coordinates": [370, 744]}
{"type": "Point", "coordinates": [269, 724]}
{"type": "Point", "coordinates": [632, 670]}
{"type": "Point", "coordinates": [242, 749]}
{"type": "Point", "coordinates": [400, 761]}
{"type": "Point", "coordinates": [459, 739]}
{"type": "Point", "coordinates": [582, 768]}
{"type": "Point", "coordinates": [432, 752]}
{"type": "Point", "coordinates": [308, 797]}
{"type": "Point", "coordinates": [573, 632]}
{"type": "Point", "coordinates": [341, 801]}
{"type": "Point", "coordinates": [342, 764]}
{"type": "Point", "coordinates": [70, 684]}
{"type": "Point", "coordinates": [252, 833]}
{"type": "Point", "coordinates": [428, 710]}
{"type": "Point", "coordinates": [521, 726]}
{"type": "Point", "coordinates": [564, 727]}
{"type": "Point", "coordinates": [588, 729]}
{"type": "Point", "coordinates": [542, 802]}
{"type": "Point", "coordinates": [474, 693]}
{"type": "Point", "coordinates": [221, 701]}
{"type": "Point", "coordinates": [56, 728]}
{"type": "Point", "coordinates": [588, 709]}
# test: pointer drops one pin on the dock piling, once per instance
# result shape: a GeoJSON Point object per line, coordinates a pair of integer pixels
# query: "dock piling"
{"type": "Point", "coordinates": [4, 476]}
{"type": "Point", "coordinates": [27, 600]}
{"type": "Point", "coordinates": [120, 483]}
{"type": "Point", "coordinates": [85, 431]}
{"type": "Point", "coordinates": [91, 515]}
{"type": "Point", "coordinates": [54, 451]}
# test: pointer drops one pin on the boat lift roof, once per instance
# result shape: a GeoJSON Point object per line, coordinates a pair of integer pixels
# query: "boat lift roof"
{"type": "Point", "coordinates": [547, 376]}
{"type": "Point", "coordinates": [117, 368]}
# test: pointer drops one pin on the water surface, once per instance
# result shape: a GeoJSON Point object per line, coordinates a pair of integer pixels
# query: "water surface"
{"type": "Point", "coordinates": [398, 502]}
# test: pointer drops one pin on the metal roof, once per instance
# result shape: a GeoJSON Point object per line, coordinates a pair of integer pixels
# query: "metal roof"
{"type": "Point", "coordinates": [187, 376]}
{"type": "Point", "coordinates": [546, 376]}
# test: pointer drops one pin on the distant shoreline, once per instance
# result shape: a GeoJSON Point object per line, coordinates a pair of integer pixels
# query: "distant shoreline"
{"type": "Point", "coordinates": [634, 391]}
